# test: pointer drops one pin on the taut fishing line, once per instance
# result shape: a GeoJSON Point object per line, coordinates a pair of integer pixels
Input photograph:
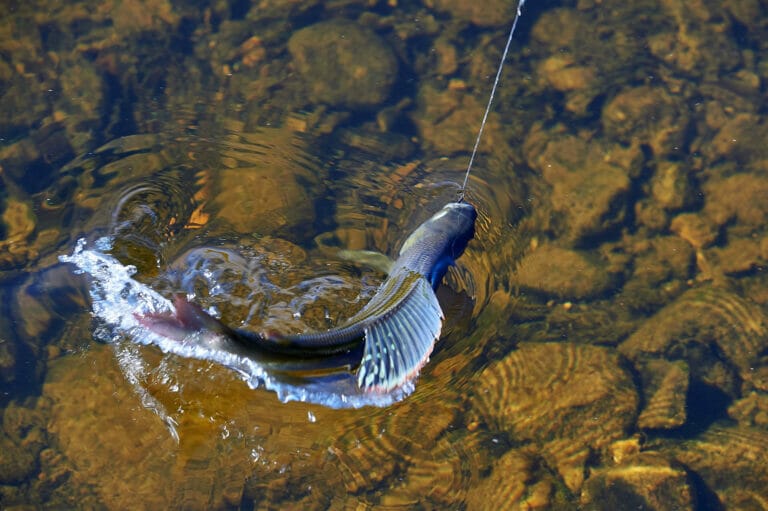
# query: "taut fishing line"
{"type": "Point", "coordinates": [518, 14]}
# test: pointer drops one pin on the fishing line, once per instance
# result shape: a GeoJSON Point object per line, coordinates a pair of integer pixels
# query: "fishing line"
{"type": "Point", "coordinates": [518, 13]}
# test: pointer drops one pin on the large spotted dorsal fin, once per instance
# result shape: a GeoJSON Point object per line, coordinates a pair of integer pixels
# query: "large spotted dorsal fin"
{"type": "Point", "coordinates": [400, 332]}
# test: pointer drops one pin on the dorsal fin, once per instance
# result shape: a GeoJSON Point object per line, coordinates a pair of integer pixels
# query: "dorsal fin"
{"type": "Point", "coordinates": [400, 332]}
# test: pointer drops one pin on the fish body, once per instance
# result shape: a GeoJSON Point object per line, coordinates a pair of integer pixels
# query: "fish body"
{"type": "Point", "coordinates": [385, 343]}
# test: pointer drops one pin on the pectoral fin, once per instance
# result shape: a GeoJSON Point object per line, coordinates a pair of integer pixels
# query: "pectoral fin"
{"type": "Point", "coordinates": [398, 343]}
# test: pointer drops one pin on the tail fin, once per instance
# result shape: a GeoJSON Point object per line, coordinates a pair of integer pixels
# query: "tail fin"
{"type": "Point", "coordinates": [188, 319]}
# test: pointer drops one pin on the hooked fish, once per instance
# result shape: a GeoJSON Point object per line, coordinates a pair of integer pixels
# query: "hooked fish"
{"type": "Point", "coordinates": [388, 341]}
{"type": "Point", "coordinates": [385, 344]}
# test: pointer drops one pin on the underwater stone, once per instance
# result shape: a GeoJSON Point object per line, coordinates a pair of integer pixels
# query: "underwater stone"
{"type": "Point", "coordinates": [487, 13]}
{"type": "Point", "coordinates": [7, 361]}
{"type": "Point", "coordinates": [738, 256]}
{"type": "Point", "coordinates": [447, 121]}
{"type": "Point", "coordinates": [742, 197]}
{"type": "Point", "coordinates": [125, 463]}
{"type": "Point", "coordinates": [650, 215]}
{"type": "Point", "coordinates": [514, 483]}
{"type": "Point", "coordinates": [661, 268]}
{"type": "Point", "coordinates": [649, 115]}
{"type": "Point", "coordinates": [22, 106]}
{"type": "Point", "coordinates": [740, 138]}
{"type": "Point", "coordinates": [562, 75]}
{"type": "Point", "coordinates": [17, 462]}
{"type": "Point", "coordinates": [21, 440]}
{"type": "Point", "coordinates": [695, 228]}
{"type": "Point", "coordinates": [366, 457]}
{"type": "Point", "coordinates": [731, 463]}
{"type": "Point", "coordinates": [343, 64]}
{"type": "Point", "coordinates": [671, 186]}
{"type": "Point", "coordinates": [441, 478]}
{"type": "Point", "coordinates": [570, 400]}
{"type": "Point", "coordinates": [264, 191]}
{"type": "Point", "coordinates": [662, 258]}
{"type": "Point", "coordinates": [589, 181]}
{"type": "Point", "coordinates": [647, 481]}
{"type": "Point", "coordinates": [19, 223]}
{"type": "Point", "coordinates": [751, 410]}
{"type": "Point", "coordinates": [698, 320]}
{"type": "Point", "coordinates": [82, 101]}
{"type": "Point", "coordinates": [563, 273]}
{"type": "Point", "coordinates": [665, 387]}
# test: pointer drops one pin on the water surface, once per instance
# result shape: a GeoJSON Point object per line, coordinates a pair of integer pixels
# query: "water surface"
{"type": "Point", "coordinates": [606, 334]}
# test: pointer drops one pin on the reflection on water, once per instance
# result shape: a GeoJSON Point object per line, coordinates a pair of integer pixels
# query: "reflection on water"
{"type": "Point", "coordinates": [606, 333]}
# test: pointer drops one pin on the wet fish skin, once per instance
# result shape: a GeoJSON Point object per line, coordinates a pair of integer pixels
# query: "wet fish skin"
{"type": "Point", "coordinates": [396, 330]}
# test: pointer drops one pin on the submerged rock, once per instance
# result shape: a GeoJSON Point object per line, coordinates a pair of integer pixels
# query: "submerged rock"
{"type": "Point", "coordinates": [570, 400]}
{"type": "Point", "coordinates": [7, 361]}
{"type": "Point", "coordinates": [127, 463]}
{"type": "Point", "coordinates": [19, 223]}
{"type": "Point", "coordinates": [731, 462]}
{"type": "Point", "coordinates": [447, 121]}
{"type": "Point", "coordinates": [751, 410]}
{"type": "Point", "coordinates": [344, 64]}
{"type": "Point", "coordinates": [562, 273]}
{"type": "Point", "coordinates": [570, 40]}
{"type": "Point", "coordinates": [695, 228]}
{"type": "Point", "coordinates": [516, 481]}
{"type": "Point", "coordinates": [665, 388]}
{"type": "Point", "coordinates": [386, 448]}
{"type": "Point", "coordinates": [740, 197]}
{"type": "Point", "coordinates": [672, 187]}
{"type": "Point", "coordinates": [590, 181]}
{"type": "Point", "coordinates": [21, 439]}
{"type": "Point", "coordinates": [738, 256]}
{"type": "Point", "coordinates": [703, 318]}
{"type": "Point", "coordinates": [661, 269]}
{"type": "Point", "coordinates": [647, 481]}
{"type": "Point", "coordinates": [488, 13]}
{"type": "Point", "coordinates": [649, 115]}
{"type": "Point", "coordinates": [264, 191]}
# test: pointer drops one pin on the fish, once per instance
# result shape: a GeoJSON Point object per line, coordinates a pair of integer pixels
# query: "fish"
{"type": "Point", "coordinates": [384, 345]}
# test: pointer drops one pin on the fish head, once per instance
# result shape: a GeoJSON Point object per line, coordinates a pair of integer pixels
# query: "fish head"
{"type": "Point", "coordinates": [457, 219]}
{"type": "Point", "coordinates": [448, 231]}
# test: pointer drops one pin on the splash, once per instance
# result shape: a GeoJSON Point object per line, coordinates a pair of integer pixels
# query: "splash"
{"type": "Point", "coordinates": [117, 298]}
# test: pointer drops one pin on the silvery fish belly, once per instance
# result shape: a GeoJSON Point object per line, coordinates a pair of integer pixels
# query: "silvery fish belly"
{"type": "Point", "coordinates": [384, 345]}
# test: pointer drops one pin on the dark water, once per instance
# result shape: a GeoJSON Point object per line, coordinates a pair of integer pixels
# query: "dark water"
{"type": "Point", "coordinates": [606, 339]}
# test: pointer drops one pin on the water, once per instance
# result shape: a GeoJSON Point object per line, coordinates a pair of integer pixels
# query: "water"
{"type": "Point", "coordinates": [606, 331]}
